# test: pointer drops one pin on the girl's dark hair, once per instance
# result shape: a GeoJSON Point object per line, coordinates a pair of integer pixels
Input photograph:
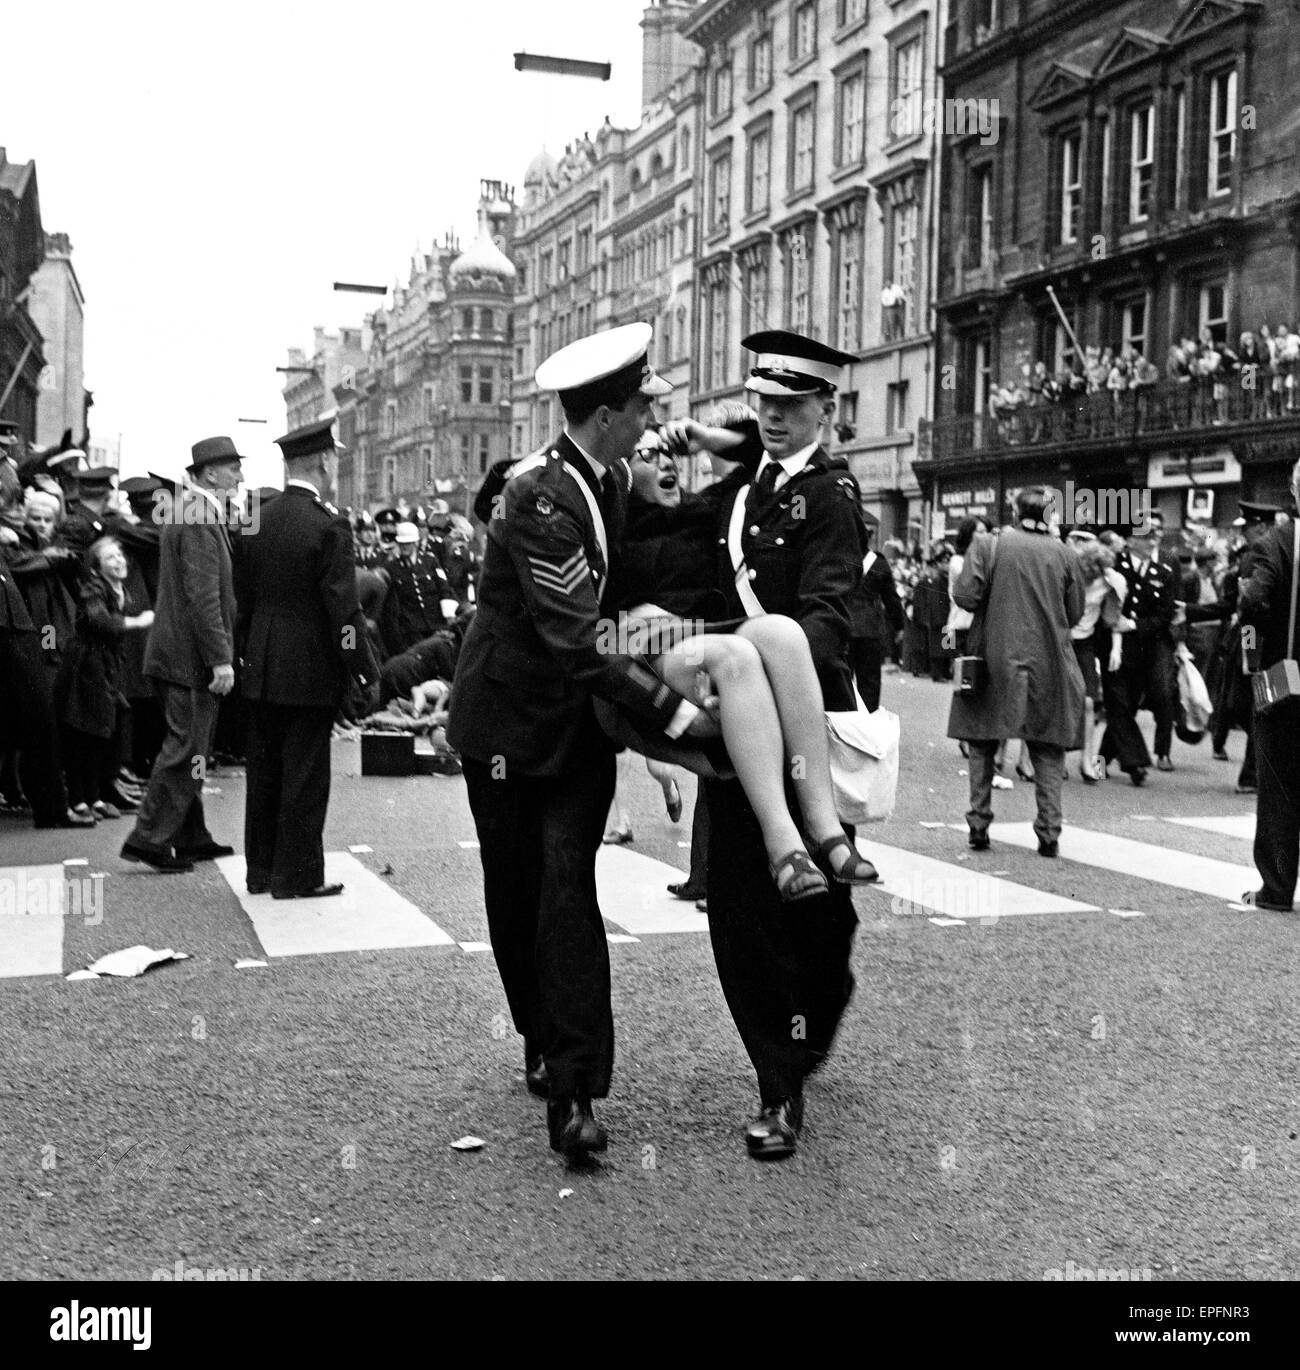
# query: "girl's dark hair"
{"type": "Point", "coordinates": [90, 562]}
{"type": "Point", "coordinates": [966, 533]}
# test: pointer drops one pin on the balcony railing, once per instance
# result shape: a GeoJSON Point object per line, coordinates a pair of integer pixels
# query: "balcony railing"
{"type": "Point", "coordinates": [1108, 417]}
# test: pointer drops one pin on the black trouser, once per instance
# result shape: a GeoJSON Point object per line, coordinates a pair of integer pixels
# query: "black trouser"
{"type": "Point", "coordinates": [699, 839]}
{"type": "Point", "coordinates": [1277, 812]}
{"type": "Point", "coordinates": [538, 839]}
{"type": "Point", "coordinates": [83, 764]}
{"type": "Point", "coordinates": [784, 968]}
{"type": "Point", "coordinates": [28, 723]}
{"type": "Point", "coordinates": [147, 732]}
{"type": "Point", "coordinates": [1145, 679]}
{"type": "Point", "coordinates": [866, 656]}
{"type": "Point", "coordinates": [288, 793]}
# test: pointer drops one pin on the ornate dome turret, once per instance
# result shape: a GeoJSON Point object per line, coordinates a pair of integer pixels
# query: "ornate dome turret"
{"type": "Point", "coordinates": [482, 261]}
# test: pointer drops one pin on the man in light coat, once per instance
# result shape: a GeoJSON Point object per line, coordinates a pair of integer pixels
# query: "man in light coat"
{"type": "Point", "coordinates": [1026, 592]}
{"type": "Point", "coordinates": [189, 659]}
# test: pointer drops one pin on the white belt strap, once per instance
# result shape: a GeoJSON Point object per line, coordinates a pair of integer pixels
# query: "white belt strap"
{"type": "Point", "coordinates": [744, 587]}
{"type": "Point", "coordinates": [540, 459]}
{"type": "Point", "coordinates": [868, 562]}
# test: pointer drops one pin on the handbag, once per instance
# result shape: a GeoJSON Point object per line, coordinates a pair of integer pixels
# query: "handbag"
{"type": "Point", "coordinates": [863, 746]}
{"type": "Point", "coordinates": [1193, 698]}
{"type": "Point", "coordinates": [970, 674]}
{"type": "Point", "coordinates": [1281, 681]}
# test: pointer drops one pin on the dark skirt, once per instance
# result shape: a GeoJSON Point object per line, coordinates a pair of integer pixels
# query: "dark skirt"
{"type": "Point", "coordinates": [706, 757]}
{"type": "Point", "coordinates": [1085, 653]}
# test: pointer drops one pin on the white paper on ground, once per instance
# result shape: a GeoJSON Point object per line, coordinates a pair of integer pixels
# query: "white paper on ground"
{"type": "Point", "coordinates": [248, 963]}
{"type": "Point", "coordinates": [469, 1144]}
{"type": "Point", "coordinates": [82, 975]}
{"type": "Point", "coordinates": [134, 961]}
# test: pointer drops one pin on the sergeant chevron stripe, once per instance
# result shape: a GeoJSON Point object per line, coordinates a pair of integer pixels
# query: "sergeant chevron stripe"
{"type": "Point", "coordinates": [564, 577]}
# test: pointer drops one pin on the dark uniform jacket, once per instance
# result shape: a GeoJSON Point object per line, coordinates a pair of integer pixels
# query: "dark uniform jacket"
{"type": "Point", "coordinates": [194, 615]}
{"type": "Point", "coordinates": [413, 606]}
{"type": "Point", "coordinates": [803, 547]}
{"type": "Point", "coordinates": [533, 657]}
{"type": "Point", "coordinates": [81, 526]}
{"type": "Point", "coordinates": [1150, 598]}
{"type": "Point", "coordinates": [1264, 595]}
{"type": "Point", "coordinates": [875, 611]}
{"type": "Point", "coordinates": [300, 626]}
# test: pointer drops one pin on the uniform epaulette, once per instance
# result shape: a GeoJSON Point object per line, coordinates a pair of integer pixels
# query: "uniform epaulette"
{"type": "Point", "coordinates": [849, 486]}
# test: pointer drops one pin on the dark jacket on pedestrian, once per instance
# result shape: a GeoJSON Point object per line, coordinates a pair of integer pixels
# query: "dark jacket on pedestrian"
{"type": "Point", "coordinates": [1026, 591]}
{"type": "Point", "coordinates": [875, 611]}
{"type": "Point", "coordinates": [87, 691]}
{"type": "Point", "coordinates": [301, 631]}
{"type": "Point", "coordinates": [194, 616]}
{"type": "Point", "coordinates": [1264, 596]}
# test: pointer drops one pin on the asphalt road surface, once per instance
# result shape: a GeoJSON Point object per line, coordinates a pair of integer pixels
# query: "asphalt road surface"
{"type": "Point", "coordinates": [1089, 1061]}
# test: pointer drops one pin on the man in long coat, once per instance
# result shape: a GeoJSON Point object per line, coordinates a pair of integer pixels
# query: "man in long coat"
{"type": "Point", "coordinates": [1026, 591]}
{"type": "Point", "coordinates": [190, 658]}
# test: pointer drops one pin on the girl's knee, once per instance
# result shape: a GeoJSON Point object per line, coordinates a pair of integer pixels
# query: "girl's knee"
{"type": "Point", "coordinates": [773, 630]}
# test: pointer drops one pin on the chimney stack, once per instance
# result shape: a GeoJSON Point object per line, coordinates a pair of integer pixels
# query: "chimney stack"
{"type": "Point", "coordinates": [665, 55]}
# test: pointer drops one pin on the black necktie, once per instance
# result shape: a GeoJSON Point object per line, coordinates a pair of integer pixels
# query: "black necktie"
{"type": "Point", "coordinates": [767, 481]}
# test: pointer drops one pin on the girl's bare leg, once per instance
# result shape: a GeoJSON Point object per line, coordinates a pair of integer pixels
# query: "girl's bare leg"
{"type": "Point", "coordinates": [751, 726]}
{"type": "Point", "coordinates": [783, 648]}
{"type": "Point", "coordinates": [666, 775]}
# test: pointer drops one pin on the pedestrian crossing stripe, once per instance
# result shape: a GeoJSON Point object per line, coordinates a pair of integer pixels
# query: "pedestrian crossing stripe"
{"type": "Point", "coordinates": [1141, 860]}
{"type": "Point", "coordinates": [1229, 825]}
{"type": "Point", "coordinates": [369, 915]}
{"type": "Point", "coordinates": [33, 905]}
{"type": "Point", "coordinates": [923, 885]}
{"type": "Point", "coordinates": [633, 895]}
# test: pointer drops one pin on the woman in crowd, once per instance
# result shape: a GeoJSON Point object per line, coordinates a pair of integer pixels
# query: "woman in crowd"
{"type": "Point", "coordinates": [90, 704]}
{"type": "Point", "coordinates": [1096, 638]}
{"type": "Point", "coordinates": [760, 669]}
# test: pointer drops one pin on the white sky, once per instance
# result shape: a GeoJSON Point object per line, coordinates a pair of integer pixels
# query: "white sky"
{"type": "Point", "coordinates": [218, 168]}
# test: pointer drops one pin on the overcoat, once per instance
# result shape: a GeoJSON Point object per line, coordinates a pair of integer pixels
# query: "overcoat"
{"type": "Point", "coordinates": [1022, 629]}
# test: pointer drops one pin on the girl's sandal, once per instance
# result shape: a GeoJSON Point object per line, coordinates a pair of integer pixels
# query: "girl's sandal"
{"type": "Point", "coordinates": [857, 870]}
{"type": "Point", "coordinates": [804, 881]}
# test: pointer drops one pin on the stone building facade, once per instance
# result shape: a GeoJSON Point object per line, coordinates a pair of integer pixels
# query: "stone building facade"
{"type": "Point", "coordinates": [58, 309]}
{"type": "Point", "coordinates": [816, 197]}
{"type": "Point", "coordinates": [1143, 189]}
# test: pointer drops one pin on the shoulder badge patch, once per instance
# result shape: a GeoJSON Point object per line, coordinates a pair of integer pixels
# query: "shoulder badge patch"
{"type": "Point", "coordinates": [544, 506]}
{"type": "Point", "coordinates": [846, 484]}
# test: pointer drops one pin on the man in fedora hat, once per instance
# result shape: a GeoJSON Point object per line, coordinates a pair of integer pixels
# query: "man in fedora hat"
{"type": "Point", "coordinates": [190, 659]}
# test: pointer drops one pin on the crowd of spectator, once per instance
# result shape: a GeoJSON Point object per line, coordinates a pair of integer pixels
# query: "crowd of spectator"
{"type": "Point", "coordinates": [1108, 390]}
{"type": "Point", "coordinates": [79, 555]}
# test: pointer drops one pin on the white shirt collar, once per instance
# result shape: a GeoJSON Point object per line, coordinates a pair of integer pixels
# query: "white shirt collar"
{"type": "Point", "coordinates": [790, 465]}
{"type": "Point", "coordinates": [306, 485]}
{"type": "Point", "coordinates": [597, 469]}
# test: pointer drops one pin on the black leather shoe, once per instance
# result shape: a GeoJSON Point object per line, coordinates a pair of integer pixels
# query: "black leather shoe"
{"type": "Point", "coordinates": [573, 1128]}
{"type": "Point", "coordinates": [1049, 849]}
{"type": "Point", "coordinates": [1138, 775]}
{"type": "Point", "coordinates": [685, 889]}
{"type": "Point", "coordinates": [537, 1078]}
{"type": "Point", "coordinates": [320, 892]}
{"type": "Point", "coordinates": [773, 1134]}
{"type": "Point", "coordinates": [152, 856]}
{"type": "Point", "coordinates": [208, 851]}
{"type": "Point", "coordinates": [978, 841]}
{"type": "Point", "coordinates": [258, 887]}
{"type": "Point", "coordinates": [1163, 763]}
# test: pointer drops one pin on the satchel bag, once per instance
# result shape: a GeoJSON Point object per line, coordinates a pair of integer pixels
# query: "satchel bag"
{"type": "Point", "coordinates": [970, 674]}
{"type": "Point", "coordinates": [863, 745]}
{"type": "Point", "coordinates": [863, 750]}
{"type": "Point", "coordinates": [1281, 681]}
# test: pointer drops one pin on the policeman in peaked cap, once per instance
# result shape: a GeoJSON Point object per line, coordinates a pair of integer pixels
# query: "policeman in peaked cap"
{"type": "Point", "coordinates": [792, 543]}
{"type": "Point", "coordinates": [85, 518]}
{"type": "Point", "coordinates": [303, 643]}
{"type": "Point", "coordinates": [538, 769]}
